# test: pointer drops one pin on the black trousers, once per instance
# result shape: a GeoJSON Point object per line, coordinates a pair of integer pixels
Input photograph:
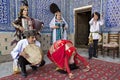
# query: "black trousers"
{"type": "Point", "coordinates": [23, 62]}
{"type": "Point", "coordinates": [93, 48]}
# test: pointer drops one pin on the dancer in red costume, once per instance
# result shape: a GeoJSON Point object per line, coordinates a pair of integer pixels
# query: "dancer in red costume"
{"type": "Point", "coordinates": [65, 56]}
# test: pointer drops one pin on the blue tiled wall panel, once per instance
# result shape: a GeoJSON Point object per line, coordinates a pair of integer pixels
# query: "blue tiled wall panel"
{"type": "Point", "coordinates": [109, 8]}
{"type": "Point", "coordinates": [39, 9]}
{"type": "Point", "coordinates": [4, 17]}
{"type": "Point", "coordinates": [112, 18]}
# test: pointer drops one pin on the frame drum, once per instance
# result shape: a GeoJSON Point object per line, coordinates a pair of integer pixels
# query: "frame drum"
{"type": "Point", "coordinates": [35, 54]}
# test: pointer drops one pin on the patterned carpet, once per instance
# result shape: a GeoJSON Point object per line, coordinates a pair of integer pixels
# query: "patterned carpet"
{"type": "Point", "coordinates": [101, 70]}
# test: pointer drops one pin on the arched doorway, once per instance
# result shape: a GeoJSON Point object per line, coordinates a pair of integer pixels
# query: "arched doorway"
{"type": "Point", "coordinates": [82, 18]}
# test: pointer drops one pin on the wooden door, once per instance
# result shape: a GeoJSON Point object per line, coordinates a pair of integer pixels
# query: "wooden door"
{"type": "Point", "coordinates": [82, 29]}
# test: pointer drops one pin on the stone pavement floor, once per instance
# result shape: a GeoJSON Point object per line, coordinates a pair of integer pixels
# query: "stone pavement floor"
{"type": "Point", "coordinates": [6, 68]}
{"type": "Point", "coordinates": [6, 62]}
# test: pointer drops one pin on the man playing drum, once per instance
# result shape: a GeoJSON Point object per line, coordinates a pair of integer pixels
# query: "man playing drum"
{"type": "Point", "coordinates": [22, 56]}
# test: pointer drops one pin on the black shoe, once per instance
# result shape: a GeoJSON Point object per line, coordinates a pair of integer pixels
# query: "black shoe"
{"type": "Point", "coordinates": [34, 68]}
{"type": "Point", "coordinates": [62, 71]}
{"type": "Point", "coordinates": [42, 63]}
{"type": "Point", "coordinates": [24, 74]}
{"type": "Point", "coordinates": [95, 56]}
{"type": "Point", "coordinates": [73, 66]}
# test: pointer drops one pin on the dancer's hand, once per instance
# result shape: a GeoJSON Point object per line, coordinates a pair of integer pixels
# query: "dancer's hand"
{"type": "Point", "coordinates": [71, 75]}
{"type": "Point", "coordinates": [87, 69]}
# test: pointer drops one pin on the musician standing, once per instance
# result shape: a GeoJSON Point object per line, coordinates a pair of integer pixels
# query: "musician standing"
{"type": "Point", "coordinates": [57, 24]}
{"type": "Point", "coordinates": [95, 24]}
{"type": "Point", "coordinates": [19, 54]}
{"type": "Point", "coordinates": [23, 22]}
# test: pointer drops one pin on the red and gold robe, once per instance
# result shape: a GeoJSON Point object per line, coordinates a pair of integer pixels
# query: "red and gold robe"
{"type": "Point", "coordinates": [60, 53]}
